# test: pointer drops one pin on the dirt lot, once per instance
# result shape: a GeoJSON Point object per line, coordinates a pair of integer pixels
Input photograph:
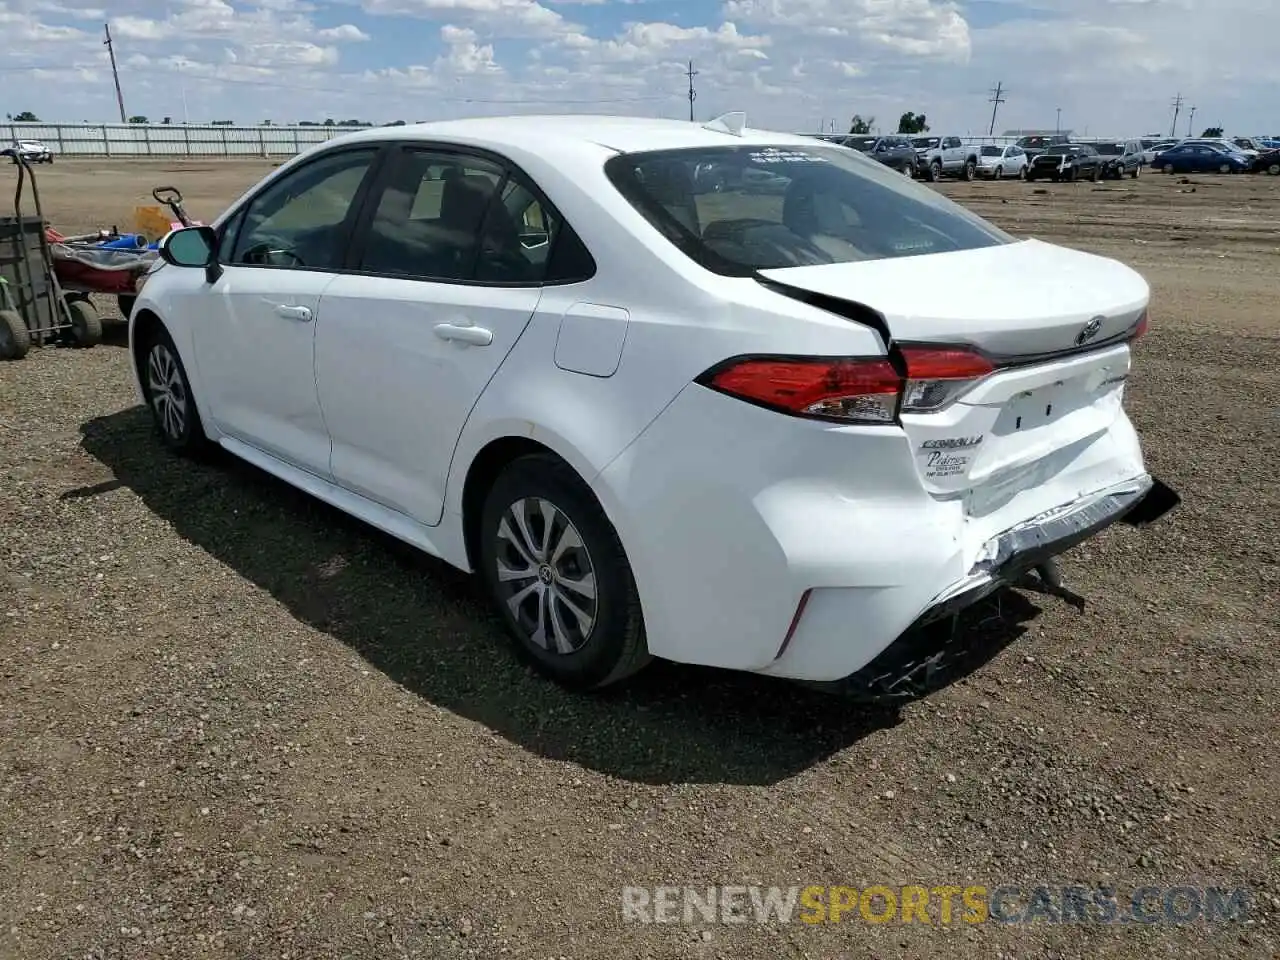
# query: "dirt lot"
{"type": "Point", "coordinates": [234, 724]}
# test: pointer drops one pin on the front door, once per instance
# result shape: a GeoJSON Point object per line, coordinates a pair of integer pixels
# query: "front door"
{"type": "Point", "coordinates": [255, 349]}
{"type": "Point", "coordinates": [454, 259]}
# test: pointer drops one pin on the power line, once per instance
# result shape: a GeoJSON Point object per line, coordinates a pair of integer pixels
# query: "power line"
{"type": "Point", "coordinates": [111, 51]}
{"type": "Point", "coordinates": [693, 94]}
{"type": "Point", "coordinates": [1177, 107]}
{"type": "Point", "coordinates": [995, 102]}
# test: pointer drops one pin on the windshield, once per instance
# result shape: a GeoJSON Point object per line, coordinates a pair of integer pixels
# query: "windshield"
{"type": "Point", "coordinates": [1110, 149]}
{"type": "Point", "coordinates": [993, 151]}
{"type": "Point", "coordinates": [1033, 141]}
{"type": "Point", "coordinates": [736, 210]}
{"type": "Point", "coordinates": [926, 141]}
{"type": "Point", "coordinates": [1062, 150]}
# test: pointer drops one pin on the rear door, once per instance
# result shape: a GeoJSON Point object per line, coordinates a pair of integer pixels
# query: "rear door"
{"type": "Point", "coordinates": [446, 278]}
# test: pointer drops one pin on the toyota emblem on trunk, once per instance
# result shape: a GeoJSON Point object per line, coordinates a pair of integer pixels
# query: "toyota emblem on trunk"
{"type": "Point", "coordinates": [1089, 331]}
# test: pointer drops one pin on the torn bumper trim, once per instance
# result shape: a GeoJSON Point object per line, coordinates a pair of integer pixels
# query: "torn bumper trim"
{"type": "Point", "coordinates": [916, 661]}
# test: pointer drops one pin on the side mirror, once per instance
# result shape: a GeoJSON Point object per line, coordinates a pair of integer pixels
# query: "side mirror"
{"type": "Point", "coordinates": [192, 247]}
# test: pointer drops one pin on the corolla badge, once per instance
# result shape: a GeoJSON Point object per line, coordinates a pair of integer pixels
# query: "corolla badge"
{"type": "Point", "coordinates": [1089, 331]}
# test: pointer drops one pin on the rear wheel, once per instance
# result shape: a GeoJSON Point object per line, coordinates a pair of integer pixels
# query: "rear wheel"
{"type": "Point", "coordinates": [1022, 172]}
{"type": "Point", "coordinates": [1224, 168]}
{"type": "Point", "coordinates": [1274, 169]}
{"type": "Point", "coordinates": [997, 173]}
{"type": "Point", "coordinates": [559, 577]}
{"type": "Point", "coordinates": [1137, 172]}
{"type": "Point", "coordinates": [1096, 175]}
{"type": "Point", "coordinates": [15, 338]}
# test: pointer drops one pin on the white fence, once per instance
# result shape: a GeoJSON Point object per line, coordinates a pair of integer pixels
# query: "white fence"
{"type": "Point", "coordinates": [168, 140]}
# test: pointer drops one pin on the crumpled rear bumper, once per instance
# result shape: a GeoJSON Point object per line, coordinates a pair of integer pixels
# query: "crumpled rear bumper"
{"type": "Point", "coordinates": [918, 660]}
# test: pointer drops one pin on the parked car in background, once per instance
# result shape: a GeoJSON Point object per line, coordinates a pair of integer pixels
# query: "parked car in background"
{"type": "Point", "coordinates": [1120, 158]}
{"type": "Point", "coordinates": [1223, 143]}
{"type": "Point", "coordinates": [995, 161]}
{"type": "Point", "coordinates": [1250, 145]}
{"type": "Point", "coordinates": [1033, 146]}
{"type": "Point", "coordinates": [1268, 162]}
{"type": "Point", "coordinates": [923, 144]}
{"type": "Point", "coordinates": [896, 153]}
{"type": "Point", "coordinates": [1201, 157]}
{"type": "Point", "coordinates": [33, 151]}
{"type": "Point", "coordinates": [1066, 161]}
{"type": "Point", "coordinates": [952, 158]}
{"type": "Point", "coordinates": [880, 406]}
{"type": "Point", "coordinates": [1152, 147]}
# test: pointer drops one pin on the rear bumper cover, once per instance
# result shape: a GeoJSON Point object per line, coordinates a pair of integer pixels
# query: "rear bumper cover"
{"type": "Point", "coordinates": [917, 661]}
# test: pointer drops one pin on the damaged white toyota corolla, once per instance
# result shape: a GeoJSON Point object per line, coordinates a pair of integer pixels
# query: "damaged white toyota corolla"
{"type": "Point", "coordinates": [704, 393]}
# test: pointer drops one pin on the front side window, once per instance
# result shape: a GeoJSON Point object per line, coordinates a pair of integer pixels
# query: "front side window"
{"type": "Point", "coordinates": [303, 219]}
{"type": "Point", "coordinates": [790, 206]}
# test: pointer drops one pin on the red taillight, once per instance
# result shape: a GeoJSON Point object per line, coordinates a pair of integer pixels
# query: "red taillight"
{"type": "Point", "coordinates": [851, 389]}
{"type": "Point", "coordinates": [937, 375]}
{"type": "Point", "coordinates": [843, 388]}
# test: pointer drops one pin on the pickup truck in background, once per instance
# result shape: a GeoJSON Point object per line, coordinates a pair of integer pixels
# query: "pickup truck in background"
{"type": "Point", "coordinates": [951, 159]}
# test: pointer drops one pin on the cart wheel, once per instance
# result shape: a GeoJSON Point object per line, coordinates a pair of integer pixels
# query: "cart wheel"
{"type": "Point", "coordinates": [86, 325]}
{"type": "Point", "coordinates": [15, 338]}
{"type": "Point", "coordinates": [125, 302]}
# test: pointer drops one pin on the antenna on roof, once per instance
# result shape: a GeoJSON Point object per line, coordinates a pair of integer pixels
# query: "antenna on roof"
{"type": "Point", "coordinates": [730, 123]}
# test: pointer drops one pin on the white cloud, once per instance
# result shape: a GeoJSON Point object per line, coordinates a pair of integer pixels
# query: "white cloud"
{"type": "Point", "coordinates": [500, 18]}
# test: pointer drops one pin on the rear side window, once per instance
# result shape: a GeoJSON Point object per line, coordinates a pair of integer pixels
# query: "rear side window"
{"type": "Point", "coordinates": [738, 209]}
{"type": "Point", "coordinates": [448, 217]}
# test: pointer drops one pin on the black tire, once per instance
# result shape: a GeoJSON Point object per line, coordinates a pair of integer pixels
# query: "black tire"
{"type": "Point", "coordinates": [970, 171]}
{"type": "Point", "coordinates": [997, 173]}
{"type": "Point", "coordinates": [125, 302]}
{"type": "Point", "coordinates": [1137, 172]}
{"type": "Point", "coordinates": [613, 647]}
{"type": "Point", "coordinates": [15, 338]}
{"type": "Point", "coordinates": [188, 438]}
{"type": "Point", "coordinates": [1273, 170]}
{"type": "Point", "coordinates": [1022, 173]}
{"type": "Point", "coordinates": [1096, 175]}
{"type": "Point", "coordinates": [86, 325]}
{"type": "Point", "coordinates": [934, 173]}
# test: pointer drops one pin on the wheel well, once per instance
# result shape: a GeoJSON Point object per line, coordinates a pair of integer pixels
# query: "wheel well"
{"type": "Point", "coordinates": [484, 470]}
{"type": "Point", "coordinates": [144, 328]}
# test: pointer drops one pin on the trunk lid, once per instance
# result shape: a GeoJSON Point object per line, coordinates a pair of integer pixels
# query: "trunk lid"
{"type": "Point", "coordinates": [1037, 311]}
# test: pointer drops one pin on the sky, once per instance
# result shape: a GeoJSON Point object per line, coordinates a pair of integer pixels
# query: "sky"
{"type": "Point", "coordinates": [1113, 67]}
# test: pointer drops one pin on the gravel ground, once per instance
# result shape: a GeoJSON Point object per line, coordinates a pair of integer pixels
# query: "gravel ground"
{"type": "Point", "coordinates": [235, 724]}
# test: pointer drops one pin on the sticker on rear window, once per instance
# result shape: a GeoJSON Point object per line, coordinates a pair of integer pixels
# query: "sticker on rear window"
{"type": "Point", "coordinates": [774, 155]}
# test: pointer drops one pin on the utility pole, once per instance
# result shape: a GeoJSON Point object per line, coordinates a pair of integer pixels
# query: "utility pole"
{"type": "Point", "coordinates": [1190, 120]}
{"type": "Point", "coordinates": [111, 51]}
{"type": "Point", "coordinates": [693, 95]}
{"type": "Point", "coordinates": [1177, 107]}
{"type": "Point", "coordinates": [995, 102]}
{"type": "Point", "coordinates": [1058, 126]}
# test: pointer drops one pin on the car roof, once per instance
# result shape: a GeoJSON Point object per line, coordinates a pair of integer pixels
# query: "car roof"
{"type": "Point", "coordinates": [574, 133]}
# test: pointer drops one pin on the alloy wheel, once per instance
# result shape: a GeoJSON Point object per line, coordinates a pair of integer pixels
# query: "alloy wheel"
{"type": "Point", "coordinates": [545, 575]}
{"type": "Point", "coordinates": [168, 391]}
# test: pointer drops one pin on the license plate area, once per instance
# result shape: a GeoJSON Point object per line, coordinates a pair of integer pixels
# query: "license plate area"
{"type": "Point", "coordinates": [1032, 409]}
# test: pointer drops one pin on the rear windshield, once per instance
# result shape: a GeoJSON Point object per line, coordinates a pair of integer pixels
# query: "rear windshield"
{"type": "Point", "coordinates": [739, 209]}
{"type": "Point", "coordinates": [993, 151]}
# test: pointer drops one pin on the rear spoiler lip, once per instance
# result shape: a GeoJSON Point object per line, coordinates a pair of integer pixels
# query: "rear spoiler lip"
{"type": "Point", "coordinates": [857, 312]}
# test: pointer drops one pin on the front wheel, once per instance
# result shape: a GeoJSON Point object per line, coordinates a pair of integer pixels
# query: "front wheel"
{"type": "Point", "coordinates": [935, 172]}
{"type": "Point", "coordinates": [1137, 172]}
{"type": "Point", "coordinates": [559, 577]}
{"type": "Point", "coordinates": [997, 173]}
{"type": "Point", "coordinates": [15, 338]}
{"type": "Point", "coordinates": [169, 397]}
{"type": "Point", "coordinates": [970, 170]}
{"type": "Point", "coordinates": [1096, 175]}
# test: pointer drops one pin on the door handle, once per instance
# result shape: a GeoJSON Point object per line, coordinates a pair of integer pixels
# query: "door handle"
{"type": "Point", "coordinates": [293, 313]}
{"type": "Point", "coordinates": [476, 336]}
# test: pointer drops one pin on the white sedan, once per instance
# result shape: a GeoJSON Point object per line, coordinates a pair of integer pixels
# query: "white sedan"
{"type": "Point", "coordinates": [780, 423]}
{"type": "Point", "coordinates": [996, 162]}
